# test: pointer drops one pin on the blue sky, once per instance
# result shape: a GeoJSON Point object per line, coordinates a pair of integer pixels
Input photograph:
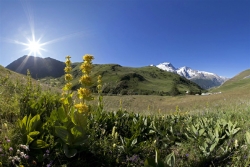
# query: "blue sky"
{"type": "Point", "coordinates": [208, 35]}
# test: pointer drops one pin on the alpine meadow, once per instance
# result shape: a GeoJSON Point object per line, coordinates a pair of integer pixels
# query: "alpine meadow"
{"type": "Point", "coordinates": [46, 126]}
{"type": "Point", "coordinates": [124, 83]}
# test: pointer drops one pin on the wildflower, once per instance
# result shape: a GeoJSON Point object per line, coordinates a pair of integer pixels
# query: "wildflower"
{"type": "Point", "coordinates": [236, 143]}
{"type": "Point", "coordinates": [5, 125]}
{"type": "Point", "coordinates": [88, 58]}
{"type": "Point", "coordinates": [67, 62]}
{"type": "Point", "coordinates": [99, 86]}
{"type": "Point", "coordinates": [86, 67]}
{"type": "Point", "coordinates": [16, 158]}
{"type": "Point", "coordinates": [8, 140]}
{"type": "Point", "coordinates": [17, 151]}
{"type": "Point", "coordinates": [10, 149]}
{"type": "Point", "coordinates": [67, 69]}
{"type": "Point", "coordinates": [113, 132]}
{"type": "Point", "coordinates": [81, 107]}
{"type": "Point", "coordinates": [68, 77]}
{"type": "Point", "coordinates": [84, 93]}
{"type": "Point", "coordinates": [85, 80]}
{"type": "Point", "coordinates": [24, 147]}
{"type": "Point", "coordinates": [1, 150]}
{"type": "Point", "coordinates": [67, 86]}
{"type": "Point", "coordinates": [116, 135]}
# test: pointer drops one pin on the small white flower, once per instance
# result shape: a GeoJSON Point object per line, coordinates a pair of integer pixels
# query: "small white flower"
{"type": "Point", "coordinates": [22, 154]}
{"type": "Point", "coordinates": [17, 151]}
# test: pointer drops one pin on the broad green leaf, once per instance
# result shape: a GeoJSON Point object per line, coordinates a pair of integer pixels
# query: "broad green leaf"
{"type": "Point", "coordinates": [24, 120]}
{"type": "Point", "coordinates": [34, 123]}
{"type": "Point", "coordinates": [69, 152]}
{"type": "Point", "coordinates": [38, 144]}
{"type": "Point", "coordinates": [34, 133]}
{"type": "Point", "coordinates": [62, 115]}
{"type": "Point", "coordinates": [62, 132]}
{"type": "Point", "coordinates": [29, 140]}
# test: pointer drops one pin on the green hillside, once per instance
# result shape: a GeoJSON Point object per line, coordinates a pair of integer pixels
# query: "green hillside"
{"type": "Point", "coordinates": [240, 82]}
{"type": "Point", "coordinates": [143, 80]}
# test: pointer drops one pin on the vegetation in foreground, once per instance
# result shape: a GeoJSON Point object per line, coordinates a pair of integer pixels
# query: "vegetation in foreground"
{"type": "Point", "coordinates": [41, 128]}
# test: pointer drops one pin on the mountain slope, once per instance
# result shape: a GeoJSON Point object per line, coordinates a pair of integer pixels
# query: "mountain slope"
{"type": "Point", "coordinates": [205, 79]}
{"type": "Point", "coordinates": [38, 67]}
{"type": "Point", "coordinates": [240, 82]}
{"type": "Point", "coordinates": [116, 79]}
{"type": "Point", "coordinates": [144, 80]}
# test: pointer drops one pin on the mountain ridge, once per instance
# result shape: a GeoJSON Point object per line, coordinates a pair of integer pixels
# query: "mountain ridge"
{"type": "Point", "coordinates": [38, 67]}
{"type": "Point", "coordinates": [205, 79]}
{"type": "Point", "coordinates": [116, 78]}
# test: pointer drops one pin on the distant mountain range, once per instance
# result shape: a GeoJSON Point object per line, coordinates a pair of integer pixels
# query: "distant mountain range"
{"type": "Point", "coordinates": [38, 67]}
{"type": "Point", "coordinates": [48, 67]}
{"type": "Point", "coordinates": [116, 79]}
{"type": "Point", "coordinates": [205, 79]}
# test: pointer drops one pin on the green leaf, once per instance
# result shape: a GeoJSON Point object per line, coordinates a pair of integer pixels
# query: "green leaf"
{"type": "Point", "coordinates": [24, 120]}
{"type": "Point", "coordinates": [134, 142]}
{"type": "Point", "coordinates": [29, 140]}
{"type": "Point", "coordinates": [62, 115]}
{"type": "Point", "coordinates": [34, 123]}
{"type": "Point", "coordinates": [201, 131]}
{"type": "Point", "coordinates": [170, 159]}
{"type": "Point", "coordinates": [212, 147]}
{"type": "Point", "coordinates": [69, 152]}
{"type": "Point", "coordinates": [34, 133]}
{"type": "Point", "coordinates": [247, 136]}
{"type": "Point", "coordinates": [38, 144]}
{"type": "Point", "coordinates": [62, 132]}
{"type": "Point", "coordinates": [149, 162]}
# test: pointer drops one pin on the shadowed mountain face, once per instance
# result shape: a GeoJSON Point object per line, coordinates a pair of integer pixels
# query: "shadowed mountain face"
{"type": "Point", "coordinates": [38, 67]}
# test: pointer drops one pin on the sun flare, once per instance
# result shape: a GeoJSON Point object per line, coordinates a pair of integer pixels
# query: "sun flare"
{"type": "Point", "coordinates": [34, 47]}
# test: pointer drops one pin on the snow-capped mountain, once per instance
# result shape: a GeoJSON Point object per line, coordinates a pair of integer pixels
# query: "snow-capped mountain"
{"type": "Point", "coordinates": [205, 79]}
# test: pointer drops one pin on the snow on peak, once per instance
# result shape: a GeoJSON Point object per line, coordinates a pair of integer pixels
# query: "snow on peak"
{"type": "Point", "coordinates": [189, 73]}
{"type": "Point", "coordinates": [167, 67]}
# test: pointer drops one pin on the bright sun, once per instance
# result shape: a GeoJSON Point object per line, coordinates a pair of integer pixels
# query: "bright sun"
{"type": "Point", "coordinates": [34, 47]}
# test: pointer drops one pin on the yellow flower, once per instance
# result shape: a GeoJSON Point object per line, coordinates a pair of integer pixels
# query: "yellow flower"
{"type": "Point", "coordinates": [99, 87]}
{"type": "Point", "coordinates": [62, 99]}
{"type": "Point", "coordinates": [67, 62]}
{"type": "Point", "coordinates": [99, 79]}
{"type": "Point", "coordinates": [86, 67]}
{"type": "Point", "coordinates": [68, 77]}
{"type": "Point", "coordinates": [67, 86]}
{"type": "Point", "coordinates": [68, 57]}
{"type": "Point", "coordinates": [67, 69]}
{"type": "Point", "coordinates": [84, 93]}
{"type": "Point", "coordinates": [81, 107]}
{"type": "Point", "coordinates": [88, 58]}
{"type": "Point", "coordinates": [85, 79]}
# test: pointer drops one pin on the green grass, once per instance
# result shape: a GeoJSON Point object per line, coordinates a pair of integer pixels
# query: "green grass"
{"type": "Point", "coordinates": [184, 130]}
{"type": "Point", "coordinates": [126, 80]}
{"type": "Point", "coordinates": [238, 83]}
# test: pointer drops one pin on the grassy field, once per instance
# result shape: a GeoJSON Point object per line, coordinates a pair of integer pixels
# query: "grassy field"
{"type": "Point", "coordinates": [41, 127]}
{"type": "Point", "coordinates": [165, 104]}
{"type": "Point", "coordinates": [127, 80]}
